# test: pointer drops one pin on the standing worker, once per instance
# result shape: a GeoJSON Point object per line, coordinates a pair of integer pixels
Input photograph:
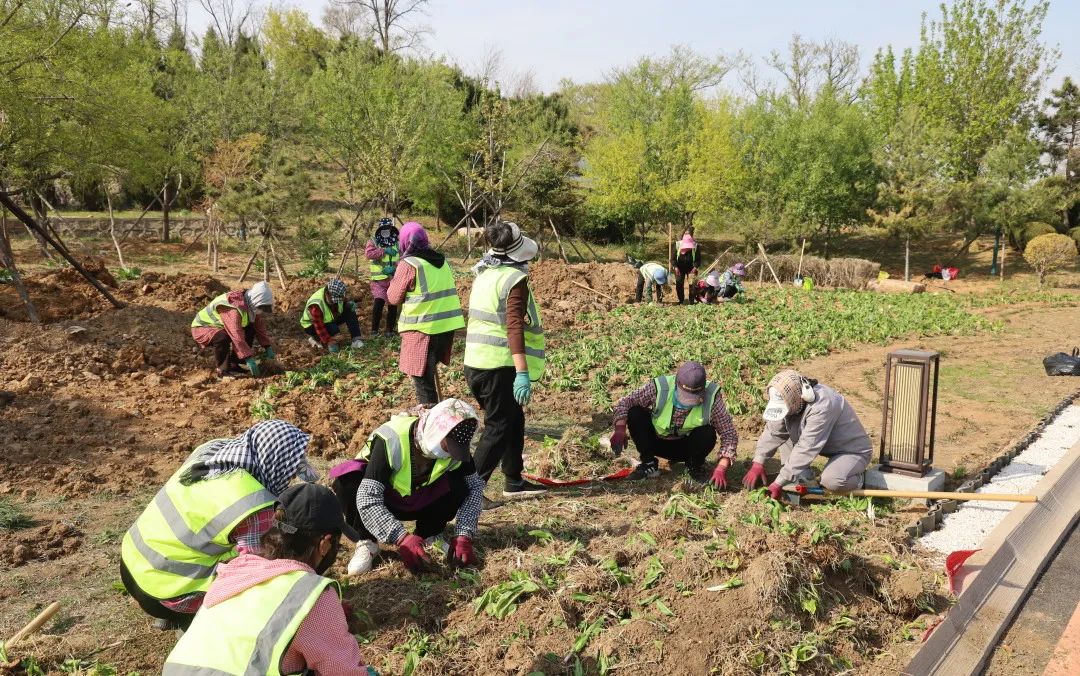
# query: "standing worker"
{"type": "Point", "coordinates": [231, 324]}
{"type": "Point", "coordinates": [685, 263]}
{"type": "Point", "coordinates": [504, 353]}
{"type": "Point", "coordinates": [275, 613]}
{"type": "Point", "coordinates": [805, 419]}
{"type": "Point", "coordinates": [652, 274]}
{"type": "Point", "coordinates": [382, 251]}
{"type": "Point", "coordinates": [218, 504]}
{"type": "Point", "coordinates": [325, 312]}
{"type": "Point", "coordinates": [677, 417]}
{"type": "Point", "coordinates": [430, 311]}
{"type": "Point", "coordinates": [416, 467]}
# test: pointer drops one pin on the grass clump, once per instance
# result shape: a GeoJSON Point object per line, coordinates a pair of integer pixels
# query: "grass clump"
{"type": "Point", "coordinates": [12, 517]}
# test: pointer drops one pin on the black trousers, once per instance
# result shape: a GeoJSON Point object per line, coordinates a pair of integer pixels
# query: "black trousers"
{"type": "Point", "coordinates": [680, 282]}
{"type": "Point", "coordinates": [150, 605]}
{"type": "Point", "coordinates": [641, 289]}
{"type": "Point", "coordinates": [425, 385]}
{"type": "Point", "coordinates": [376, 316]}
{"type": "Point", "coordinates": [347, 317]}
{"type": "Point", "coordinates": [691, 449]}
{"type": "Point", "coordinates": [503, 438]}
{"type": "Point", "coordinates": [224, 353]}
{"type": "Point", "coordinates": [430, 519]}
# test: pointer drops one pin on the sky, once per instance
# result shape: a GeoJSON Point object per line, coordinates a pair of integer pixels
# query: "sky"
{"type": "Point", "coordinates": [585, 39]}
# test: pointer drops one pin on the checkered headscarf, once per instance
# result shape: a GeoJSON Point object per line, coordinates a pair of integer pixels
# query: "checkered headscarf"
{"type": "Point", "coordinates": [272, 451]}
{"type": "Point", "coordinates": [336, 289]}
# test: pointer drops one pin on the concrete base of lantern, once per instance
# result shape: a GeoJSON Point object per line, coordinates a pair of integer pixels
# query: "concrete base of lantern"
{"type": "Point", "coordinates": [934, 480]}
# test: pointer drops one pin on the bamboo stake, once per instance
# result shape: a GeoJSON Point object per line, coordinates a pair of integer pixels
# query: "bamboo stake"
{"type": "Point", "coordinates": [670, 245]}
{"type": "Point", "coordinates": [761, 249]}
{"type": "Point", "coordinates": [716, 262]}
{"type": "Point", "coordinates": [594, 255]}
{"type": "Point", "coordinates": [247, 268]}
{"type": "Point", "coordinates": [589, 288]}
{"type": "Point", "coordinates": [570, 240]}
{"type": "Point", "coordinates": [112, 231]}
{"type": "Point", "coordinates": [944, 495]}
{"type": "Point", "coordinates": [801, 254]}
{"type": "Point", "coordinates": [278, 267]}
{"type": "Point", "coordinates": [7, 257]}
{"type": "Point", "coordinates": [34, 624]}
{"type": "Point", "coordinates": [558, 239]}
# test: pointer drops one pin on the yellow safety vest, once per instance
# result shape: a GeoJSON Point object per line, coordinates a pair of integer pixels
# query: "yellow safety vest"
{"type": "Point", "coordinates": [486, 343]}
{"type": "Point", "coordinates": [390, 257]}
{"type": "Point", "coordinates": [208, 316]}
{"type": "Point", "coordinates": [319, 298]}
{"type": "Point", "coordinates": [178, 540]}
{"type": "Point", "coordinates": [433, 306]}
{"type": "Point", "coordinates": [397, 435]}
{"type": "Point", "coordinates": [250, 632]}
{"type": "Point", "coordinates": [665, 406]}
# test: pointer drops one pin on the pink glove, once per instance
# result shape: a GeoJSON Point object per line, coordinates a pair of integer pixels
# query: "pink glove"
{"type": "Point", "coordinates": [460, 552]}
{"type": "Point", "coordinates": [411, 549]}
{"type": "Point", "coordinates": [775, 491]}
{"type": "Point", "coordinates": [618, 438]}
{"type": "Point", "coordinates": [719, 476]}
{"type": "Point", "coordinates": [694, 271]}
{"type": "Point", "coordinates": [756, 474]}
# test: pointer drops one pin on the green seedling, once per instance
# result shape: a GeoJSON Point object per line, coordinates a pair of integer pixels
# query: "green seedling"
{"type": "Point", "coordinates": [653, 572]}
{"type": "Point", "coordinates": [501, 600]}
{"type": "Point", "coordinates": [733, 583]}
{"type": "Point", "coordinates": [620, 575]}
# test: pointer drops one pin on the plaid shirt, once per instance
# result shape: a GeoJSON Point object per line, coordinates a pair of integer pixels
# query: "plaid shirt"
{"type": "Point", "coordinates": [719, 419]}
{"type": "Point", "coordinates": [234, 327]}
{"type": "Point", "coordinates": [317, 322]}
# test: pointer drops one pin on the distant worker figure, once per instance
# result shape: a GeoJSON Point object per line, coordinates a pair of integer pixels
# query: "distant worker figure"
{"type": "Point", "coordinates": [415, 467]}
{"type": "Point", "coordinates": [685, 263]}
{"type": "Point", "coordinates": [275, 613]}
{"type": "Point", "coordinates": [677, 417]}
{"type": "Point", "coordinates": [805, 419]}
{"type": "Point", "coordinates": [504, 353]}
{"type": "Point", "coordinates": [382, 251]}
{"type": "Point", "coordinates": [217, 505]}
{"type": "Point", "coordinates": [325, 312]}
{"type": "Point", "coordinates": [731, 282]}
{"type": "Point", "coordinates": [652, 275]}
{"type": "Point", "coordinates": [231, 324]}
{"type": "Point", "coordinates": [430, 311]}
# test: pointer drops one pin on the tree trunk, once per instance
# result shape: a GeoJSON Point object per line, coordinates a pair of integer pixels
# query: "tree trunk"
{"type": "Point", "coordinates": [165, 203]}
{"type": "Point", "coordinates": [42, 244]}
{"type": "Point", "coordinates": [112, 232]}
{"type": "Point", "coordinates": [7, 257]}
{"type": "Point", "coordinates": [907, 259]}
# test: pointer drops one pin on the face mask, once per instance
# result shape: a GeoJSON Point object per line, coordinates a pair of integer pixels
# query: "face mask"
{"type": "Point", "coordinates": [330, 557]}
{"type": "Point", "coordinates": [681, 406]}
{"type": "Point", "coordinates": [776, 409]}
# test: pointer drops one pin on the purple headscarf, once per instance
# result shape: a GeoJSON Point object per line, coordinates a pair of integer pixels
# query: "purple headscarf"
{"type": "Point", "coordinates": [413, 237]}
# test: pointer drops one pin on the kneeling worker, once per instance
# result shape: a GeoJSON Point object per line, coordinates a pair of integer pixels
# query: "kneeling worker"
{"type": "Point", "coordinates": [232, 323]}
{"type": "Point", "coordinates": [275, 613]}
{"type": "Point", "coordinates": [677, 417]}
{"type": "Point", "coordinates": [325, 312]}
{"type": "Point", "coordinates": [416, 467]}
{"type": "Point", "coordinates": [805, 419]}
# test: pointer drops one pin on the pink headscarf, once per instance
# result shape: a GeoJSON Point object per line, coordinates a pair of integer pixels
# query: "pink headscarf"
{"type": "Point", "coordinates": [413, 237]}
{"type": "Point", "coordinates": [687, 243]}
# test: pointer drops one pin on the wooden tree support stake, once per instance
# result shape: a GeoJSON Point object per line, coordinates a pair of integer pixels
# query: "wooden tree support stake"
{"type": "Point", "coordinates": [761, 249]}
{"type": "Point", "coordinates": [589, 288]}
{"type": "Point", "coordinates": [34, 624]}
{"type": "Point", "coordinates": [8, 259]}
{"type": "Point", "coordinates": [558, 239]}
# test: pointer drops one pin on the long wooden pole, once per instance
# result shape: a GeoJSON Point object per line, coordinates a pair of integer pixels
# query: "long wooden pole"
{"type": "Point", "coordinates": [761, 249]}
{"type": "Point", "coordinates": [944, 495]}
{"type": "Point", "coordinates": [802, 253]}
{"type": "Point", "coordinates": [34, 624]}
{"type": "Point", "coordinates": [558, 239]}
{"type": "Point", "coordinates": [670, 245]}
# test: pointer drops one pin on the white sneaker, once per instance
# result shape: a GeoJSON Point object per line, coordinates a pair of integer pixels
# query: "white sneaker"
{"type": "Point", "coordinates": [314, 343]}
{"type": "Point", "coordinates": [356, 344]}
{"type": "Point", "coordinates": [437, 543]}
{"type": "Point", "coordinates": [363, 557]}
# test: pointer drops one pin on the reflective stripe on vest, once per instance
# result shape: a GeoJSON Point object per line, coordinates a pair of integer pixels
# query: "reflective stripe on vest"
{"type": "Point", "coordinates": [390, 257]}
{"type": "Point", "coordinates": [181, 536]}
{"type": "Point", "coordinates": [665, 408]}
{"type": "Point", "coordinates": [486, 342]}
{"type": "Point", "coordinates": [209, 316]}
{"type": "Point", "coordinates": [248, 634]}
{"type": "Point", "coordinates": [433, 306]}
{"type": "Point", "coordinates": [397, 436]}
{"type": "Point", "coordinates": [319, 298]}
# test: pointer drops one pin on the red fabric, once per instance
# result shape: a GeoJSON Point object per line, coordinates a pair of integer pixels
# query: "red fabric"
{"type": "Point", "coordinates": [234, 327]}
{"type": "Point", "coordinates": [317, 323]}
{"type": "Point", "coordinates": [615, 476]}
{"type": "Point", "coordinates": [414, 345]}
{"type": "Point", "coordinates": [953, 563]}
{"type": "Point", "coordinates": [719, 418]}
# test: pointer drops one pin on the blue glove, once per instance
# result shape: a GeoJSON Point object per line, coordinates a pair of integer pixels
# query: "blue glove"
{"type": "Point", "coordinates": [389, 269]}
{"type": "Point", "coordinates": [352, 306]}
{"type": "Point", "coordinates": [333, 347]}
{"type": "Point", "coordinates": [522, 388]}
{"type": "Point", "coordinates": [269, 354]}
{"type": "Point", "coordinates": [253, 366]}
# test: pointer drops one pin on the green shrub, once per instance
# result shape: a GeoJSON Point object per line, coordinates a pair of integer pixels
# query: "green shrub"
{"type": "Point", "coordinates": [1050, 252]}
{"type": "Point", "coordinates": [1036, 229]}
{"type": "Point", "coordinates": [1075, 234]}
{"type": "Point", "coordinates": [127, 274]}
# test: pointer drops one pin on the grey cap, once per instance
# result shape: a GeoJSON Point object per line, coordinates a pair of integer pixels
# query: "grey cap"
{"type": "Point", "coordinates": [690, 383]}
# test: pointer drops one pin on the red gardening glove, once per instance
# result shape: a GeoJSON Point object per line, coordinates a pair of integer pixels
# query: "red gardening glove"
{"type": "Point", "coordinates": [411, 550]}
{"type": "Point", "coordinates": [755, 475]}
{"type": "Point", "coordinates": [694, 271]}
{"type": "Point", "coordinates": [346, 607]}
{"type": "Point", "coordinates": [460, 553]}
{"type": "Point", "coordinates": [618, 438]}
{"type": "Point", "coordinates": [775, 491]}
{"type": "Point", "coordinates": [719, 476]}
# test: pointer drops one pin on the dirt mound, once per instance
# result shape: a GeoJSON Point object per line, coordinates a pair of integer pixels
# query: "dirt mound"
{"type": "Point", "coordinates": [185, 293]}
{"type": "Point", "coordinates": [59, 295]}
{"type": "Point", "coordinates": [561, 299]}
{"type": "Point", "coordinates": [41, 543]}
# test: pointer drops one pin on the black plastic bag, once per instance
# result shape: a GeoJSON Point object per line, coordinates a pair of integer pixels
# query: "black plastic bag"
{"type": "Point", "coordinates": [1063, 364]}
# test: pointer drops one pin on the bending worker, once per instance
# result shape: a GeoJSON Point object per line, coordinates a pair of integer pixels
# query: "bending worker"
{"type": "Point", "coordinates": [731, 282]}
{"type": "Point", "coordinates": [325, 312]}
{"type": "Point", "coordinates": [677, 417]}
{"type": "Point", "coordinates": [805, 419]}
{"type": "Point", "coordinates": [231, 324]}
{"type": "Point", "coordinates": [652, 274]}
{"type": "Point", "coordinates": [382, 252]}
{"type": "Point", "coordinates": [430, 311]}
{"type": "Point", "coordinates": [706, 290]}
{"type": "Point", "coordinates": [218, 504]}
{"type": "Point", "coordinates": [275, 613]}
{"type": "Point", "coordinates": [416, 467]}
{"type": "Point", "coordinates": [504, 353]}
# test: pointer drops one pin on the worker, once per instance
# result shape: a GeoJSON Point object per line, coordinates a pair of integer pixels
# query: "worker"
{"type": "Point", "coordinates": [504, 353]}
{"type": "Point", "coordinates": [805, 419]}
{"type": "Point", "coordinates": [325, 312]}
{"type": "Point", "coordinates": [652, 274]}
{"type": "Point", "coordinates": [274, 612]}
{"type": "Point", "coordinates": [218, 504]}
{"type": "Point", "coordinates": [416, 467]}
{"type": "Point", "coordinates": [706, 290]}
{"type": "Point", "coordinates": [382, 252]}
{"type": "Point", "coordinates": [231, 324]}
{"type": "Point", "coordinates": [430, 311]}
{"type": "Point", "coordinates": [679, 418]}
{"type": "Point", "coordinates": [731, 282]}
{"type": "Point", "coordinates": [685, 263]}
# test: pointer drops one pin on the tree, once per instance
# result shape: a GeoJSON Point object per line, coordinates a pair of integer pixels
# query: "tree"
{"type": "Point", "coordinates": [391, 23]}
{"type": "Point", "coordinates": [1060, 126]}
{"type": "Point", "coordinates": [1047, 253]}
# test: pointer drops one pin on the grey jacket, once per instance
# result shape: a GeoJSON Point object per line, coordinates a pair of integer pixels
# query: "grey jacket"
{"type": "Point", "coordinates": [827, 427]}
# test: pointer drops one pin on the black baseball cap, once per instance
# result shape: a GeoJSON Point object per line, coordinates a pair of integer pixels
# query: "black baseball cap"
{"type": "Point", "coordinates": [690, 383]}
{"type": "Point", "coordinates": [313, 508]}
